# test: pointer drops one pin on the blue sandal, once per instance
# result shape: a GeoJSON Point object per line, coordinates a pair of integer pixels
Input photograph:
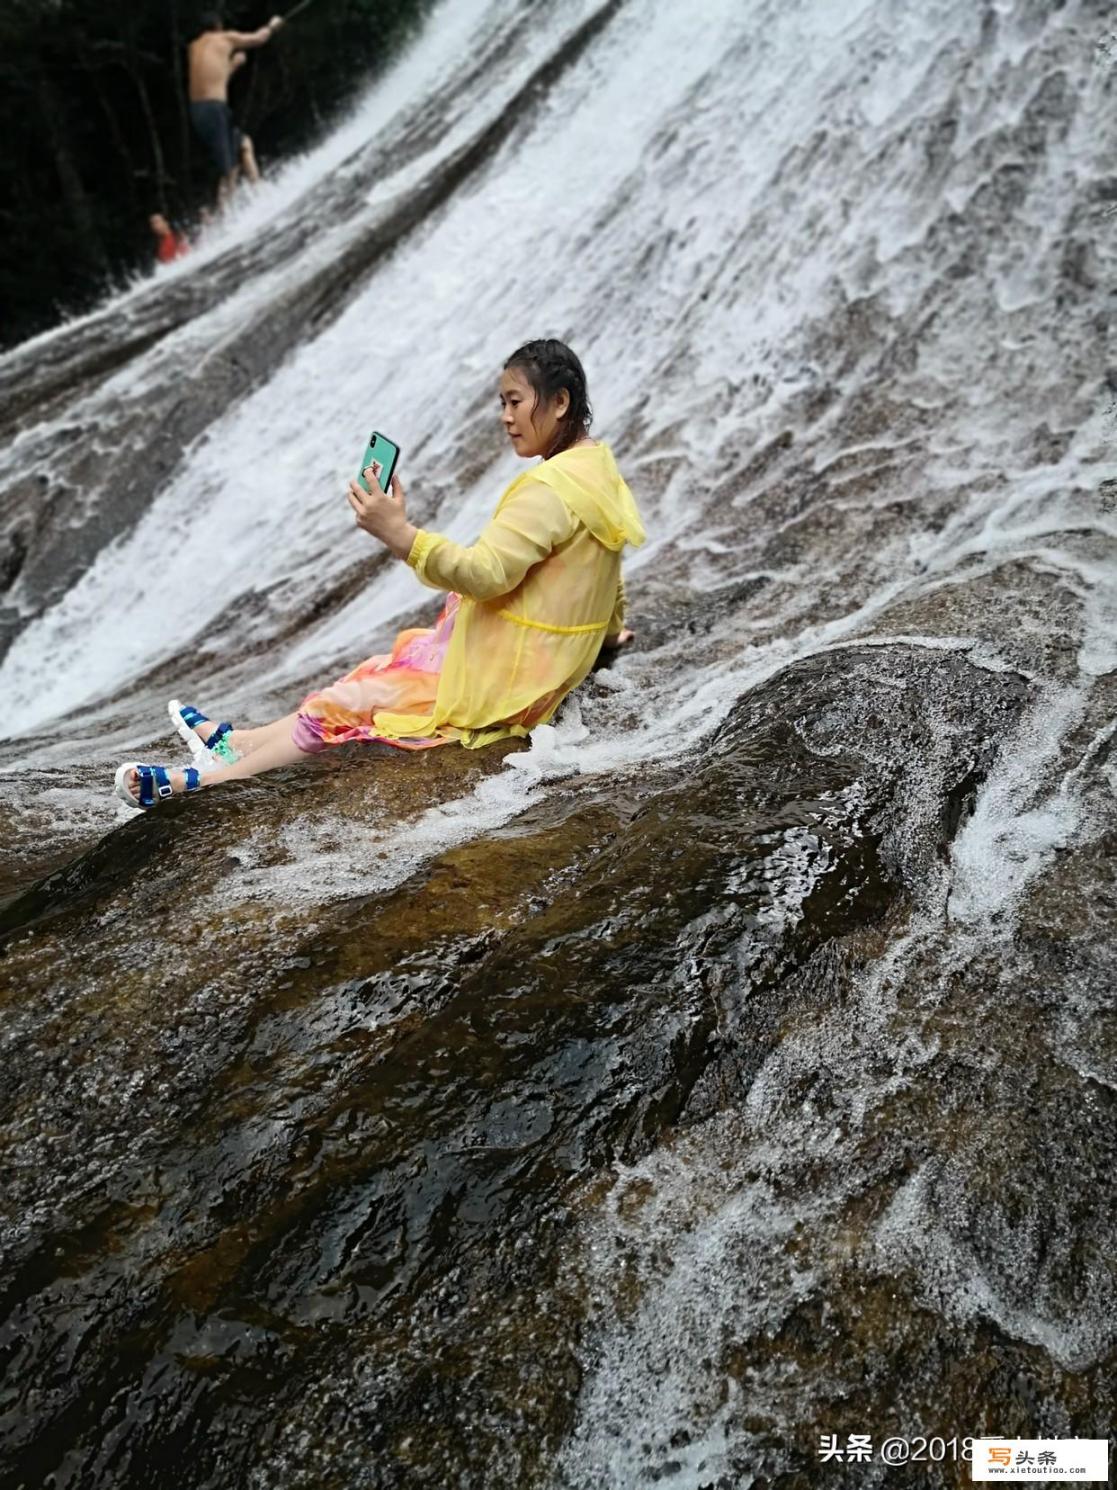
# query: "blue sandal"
{"type": "Point", "coordinates": [155, 783]}
{"type": "Point", "coordinates": [217, 748]}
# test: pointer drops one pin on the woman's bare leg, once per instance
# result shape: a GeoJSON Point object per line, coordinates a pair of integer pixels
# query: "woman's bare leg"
{"type": "Point", "coordinates": [248, 741]}
{"type": "Point", "coordinates": [272, 747]}
{"type": "Point", "coordinates": [244, 741]}
{"type": "Point", "coordinates": [276, 751]}
{"type": "Point", "coordinates": [269, 755]}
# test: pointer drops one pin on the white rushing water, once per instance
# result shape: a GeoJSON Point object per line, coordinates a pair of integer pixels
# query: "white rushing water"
{"type": "Point", "coordinates": [833, 271]}
{"type": "Point", "coordinates": [690, 204]}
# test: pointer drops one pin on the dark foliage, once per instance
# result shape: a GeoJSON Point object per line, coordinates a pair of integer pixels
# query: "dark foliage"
{"type": "Point", "coordinates": [97, 137]}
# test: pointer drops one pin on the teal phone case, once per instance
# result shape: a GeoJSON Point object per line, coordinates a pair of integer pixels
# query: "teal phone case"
{"type": "Point", "coordinates": [386, 453]}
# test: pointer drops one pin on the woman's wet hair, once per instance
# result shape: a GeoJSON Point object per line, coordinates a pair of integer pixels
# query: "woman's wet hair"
{"type": "Point", "coordinates": [550, 366]}
{"type": "Point", "coordinates": [211, 20]}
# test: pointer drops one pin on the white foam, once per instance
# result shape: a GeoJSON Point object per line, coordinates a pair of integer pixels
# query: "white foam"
{"type": "Point", "coordinates": [706, 1264]}
{"type": "Point", "coordinates": [1017, 824]}
{"type": "Point", "coordinates": [698, 325]}
{"type": "Point", "coordinates": [260, 502]}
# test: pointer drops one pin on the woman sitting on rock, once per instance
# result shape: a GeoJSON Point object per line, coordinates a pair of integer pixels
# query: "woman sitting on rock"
{"type": "Point", "coordinates": [530, 604]}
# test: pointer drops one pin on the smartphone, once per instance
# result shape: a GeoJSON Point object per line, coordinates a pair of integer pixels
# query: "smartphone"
{"type": "Point", "coordinates": [382, 455]}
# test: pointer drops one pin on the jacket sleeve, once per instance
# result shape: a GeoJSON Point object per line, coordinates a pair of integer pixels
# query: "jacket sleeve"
{"type": "Point", "coordinates": [620, 605]}
{"type": "Point", "coordinates": [532, 523]}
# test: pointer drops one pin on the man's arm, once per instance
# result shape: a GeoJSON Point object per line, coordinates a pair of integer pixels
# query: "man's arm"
{"type": "Point", "coordinates": [241, 39]}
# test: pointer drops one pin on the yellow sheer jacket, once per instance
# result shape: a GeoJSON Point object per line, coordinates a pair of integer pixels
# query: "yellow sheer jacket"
{"type": "Point", "coordinates": [540, 590]}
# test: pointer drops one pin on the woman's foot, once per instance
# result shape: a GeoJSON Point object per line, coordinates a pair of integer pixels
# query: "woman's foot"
{"type": "Point", "coordinates": [146, 786]}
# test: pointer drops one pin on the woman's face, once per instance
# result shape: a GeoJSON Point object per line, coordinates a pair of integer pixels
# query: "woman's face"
{"type": "Point", "coordinates": [517, 408]}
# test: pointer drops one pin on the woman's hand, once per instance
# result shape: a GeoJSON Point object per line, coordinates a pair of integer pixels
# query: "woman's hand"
{"type": "Point", "coordinates": [623, 637]}
{"type": "Point", "coordinates": [382, 516]}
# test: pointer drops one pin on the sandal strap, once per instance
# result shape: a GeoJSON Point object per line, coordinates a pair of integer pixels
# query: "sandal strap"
{"type": "Point", "coordinates": [147, 781]}
{"type": "Point", "coordinates": [156, 785]}
{"type": "Point", "coordinates": [194, 719]}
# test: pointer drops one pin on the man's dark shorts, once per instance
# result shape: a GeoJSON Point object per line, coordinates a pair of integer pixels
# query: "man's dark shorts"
{"type": "Point", "coordinates": [213, 124]}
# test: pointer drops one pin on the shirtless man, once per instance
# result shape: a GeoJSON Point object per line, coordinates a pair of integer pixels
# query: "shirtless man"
{"type": "Point", "coordinates": [215, 56]}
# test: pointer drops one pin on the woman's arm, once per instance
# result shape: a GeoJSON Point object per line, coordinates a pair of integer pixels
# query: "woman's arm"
{"type": "Point", "coordinates": [529, 527]}
{"type": "Point", "coordinates": [618, 635]}
{"type": "Point", "coordinates": [381, 516]}
{"type": "Point", "coordinates": [616, 620]}
{"type": "Point", "coordinates": [526, 529]}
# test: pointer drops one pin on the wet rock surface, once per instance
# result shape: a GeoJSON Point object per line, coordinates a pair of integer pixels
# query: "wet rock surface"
{"type": "Point", "coordinates": [739, 1071]}
{"type": "Point", "coordinates": [296, 1189]}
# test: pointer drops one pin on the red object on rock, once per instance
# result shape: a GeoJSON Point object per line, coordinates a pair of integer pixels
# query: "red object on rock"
{"type": "Point", "coordinates": [170, 246]}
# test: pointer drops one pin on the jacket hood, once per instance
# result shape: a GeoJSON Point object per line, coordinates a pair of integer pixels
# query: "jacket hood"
{"type": "Point", "coordinates": [589, 483]}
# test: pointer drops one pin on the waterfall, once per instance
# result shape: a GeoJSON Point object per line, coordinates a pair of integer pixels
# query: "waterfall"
{"type": "Point", "coordinates": [839, 272]}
